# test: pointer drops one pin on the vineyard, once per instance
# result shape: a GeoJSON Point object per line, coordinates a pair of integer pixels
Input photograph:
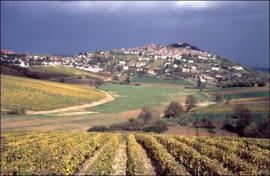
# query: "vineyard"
{"type": "Point", "coordinates": [31, 94]}
{"type": "Point", "coordinates": [80, 153]}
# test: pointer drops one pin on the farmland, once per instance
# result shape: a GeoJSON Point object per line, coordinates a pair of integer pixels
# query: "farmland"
{"type": "Point", "coordinates": [67, 71]}
{"type": "Point", "coordinates": [129, 100]}
{"type": "Point", "coordinates": [30, 94]}
{"type": "Point", "coordinates": [78, 153]}
{"type": "Point", "coordinates": [156, 80]}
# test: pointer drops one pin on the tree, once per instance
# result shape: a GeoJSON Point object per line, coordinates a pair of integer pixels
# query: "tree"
{"type": "Point", "coordinates": [98, 82]}
{"type": "Point", "coordinates": [208, 123]}
{"type": "Point", "coordinates": [199, 83]}
{"type": "Point", "coordinates": [147, 114]}
{"type": "Point", "coordinates": [158, 127]}
{"type": "Point", "coordinates": [261, 84]}
{"type": "Point", "coordinates": [227, 99]}
{"type": "Point", "coordinates": [94, 54]}
{"type": "Point", "coordinates": [245, 118]}
{"type": "Point", "coordinates": [264, 126]}
{"type": "Point", "coordinates": [173, 110]}
{"type": "Point", "coordinates": [191, 102]}
{"type": "Point", "coordinates": [218, 97]}
{"type": "Point", "coordinates": [252, 131]}
{"type": "Point", "coordinates": [91, 82]}
{"type": "Point", "coordinates": [115, 77]}
{"type": "Point", "coordinates": [128, 80]}
{"type": "Point", "coordinates": [85, 53]}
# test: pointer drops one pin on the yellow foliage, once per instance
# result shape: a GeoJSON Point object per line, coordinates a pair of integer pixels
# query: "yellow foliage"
{"type": "Point", "coordinates": [31, 94]}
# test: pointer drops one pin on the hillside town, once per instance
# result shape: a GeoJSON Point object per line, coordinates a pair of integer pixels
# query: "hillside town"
{"type": "Point", "coordinates": [175, 61]}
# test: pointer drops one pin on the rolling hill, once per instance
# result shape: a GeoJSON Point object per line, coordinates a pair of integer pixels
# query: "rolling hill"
{"type": "Point", "coordinates": [19, 93]}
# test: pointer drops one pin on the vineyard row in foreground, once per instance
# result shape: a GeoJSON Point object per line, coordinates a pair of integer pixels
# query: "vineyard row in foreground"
{"type": "Point", "coordinates": [66, 153]}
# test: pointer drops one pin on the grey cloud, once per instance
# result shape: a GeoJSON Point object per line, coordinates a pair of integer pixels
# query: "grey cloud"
{"type": "Point", "coordinates": [225, 28]}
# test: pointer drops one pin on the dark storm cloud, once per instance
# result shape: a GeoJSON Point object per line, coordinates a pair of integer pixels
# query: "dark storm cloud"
{"type": "Point", "coordinates": [236, 30]}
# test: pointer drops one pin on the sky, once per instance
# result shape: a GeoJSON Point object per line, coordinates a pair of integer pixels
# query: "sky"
{"type": "Point", "coordinates": [238, 30]}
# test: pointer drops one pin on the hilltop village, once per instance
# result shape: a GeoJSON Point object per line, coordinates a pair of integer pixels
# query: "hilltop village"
{"type": "Point", "coordinates": [175, 61]}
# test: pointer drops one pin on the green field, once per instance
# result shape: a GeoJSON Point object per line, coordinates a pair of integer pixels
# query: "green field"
{"type": "Point", "coordinates": [31, 94]}
{"type": "Point", "coordinates": [159, 81]}
{"type": "Point", "coordinates": [136, 97]}
{"type": "Point", "coordinates": [250, 94]}
{"type": "Point", "coordinates": [221, 89]}
{"type": "Point", "coordinates": [216, 117]}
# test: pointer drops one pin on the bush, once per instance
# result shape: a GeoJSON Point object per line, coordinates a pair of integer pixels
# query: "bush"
{"type": "Point", "coordinates": [262, 84]}
{"type": "Point", "coordinates": [208, 123]}
{"type": "Point", "coordinates": [16, 111]}
{"type": "Point", "coordinates": [115, 77]}
{"type": "Point", "coordinates": [218, 97]}
{"type": "Point", "coordinates": [263, 128]}
{"type": "Point", "coordinates": [229, 127]}
{"type": "Point", "coordinates": [158, 127]}
{"type": "Point", "coordinates": [98, 81]}
{"type": "Point", "coordinates": [89, 77]}
{"type": "Point", "coordinates": [62, 80]}
{"type": "Point", "coordinates": [191, 102]}
{"type": "Point", "coordinates": [252, 131]}
{"type": "Point", "coordinates": [245, 118]}
{"type": "Point", "coordinates": [147, 114]}
{"type": "Point", "coordinates": [98, 128]}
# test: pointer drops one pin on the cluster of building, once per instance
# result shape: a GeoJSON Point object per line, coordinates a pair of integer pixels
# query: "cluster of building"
{"type": "Point", "coordinates": [25, 60]}
{"type": "Point", "coordinates": [145, 55]}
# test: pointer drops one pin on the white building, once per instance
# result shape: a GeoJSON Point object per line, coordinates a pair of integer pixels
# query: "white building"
{"type": "Point", "coordinates": [185, 70]}
{"type": "Point", "coordinates": [238, 67]}
{"type": "Point", "coordinates": [193, 67]}
{"type": "Point", "coordinates": [215, 68]}
{"type": "Point", "coordinates": [122, 62]}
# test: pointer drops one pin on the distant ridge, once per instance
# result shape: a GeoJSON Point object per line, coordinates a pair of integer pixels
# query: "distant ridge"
{"type": "Point", "coordinates": [259, 68]}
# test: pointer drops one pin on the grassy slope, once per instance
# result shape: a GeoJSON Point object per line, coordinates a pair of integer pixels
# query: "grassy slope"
{"type": "Point", "coordinates": [136, 97]}
{"type": "Point", "coordinates": [31, 94]}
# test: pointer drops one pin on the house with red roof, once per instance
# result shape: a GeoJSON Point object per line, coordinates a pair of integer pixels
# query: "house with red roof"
{"type": "Point", "coordinates": [6, 52]}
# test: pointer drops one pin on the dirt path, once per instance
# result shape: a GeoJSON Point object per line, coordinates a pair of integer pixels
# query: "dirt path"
{"type": "Point", "coordinates": [148, 165]}
{"type": "Point", "coordinates": [89, 161]}
{"type": "Point", "coordinates": [108, 98]}
{"type": "Point", "coordinates": [120, 161]}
